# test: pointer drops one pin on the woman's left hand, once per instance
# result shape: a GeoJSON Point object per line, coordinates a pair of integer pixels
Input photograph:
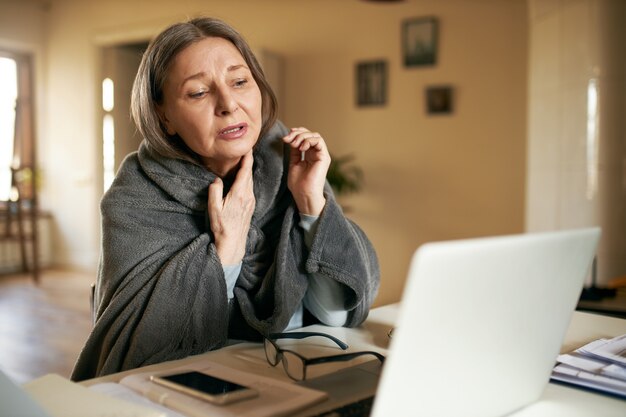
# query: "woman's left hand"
{"type": "Point", "coordinates": [308, 165]}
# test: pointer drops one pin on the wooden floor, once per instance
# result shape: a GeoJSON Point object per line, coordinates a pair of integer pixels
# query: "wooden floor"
{"type": "Point", "coordinates": [43, 327]}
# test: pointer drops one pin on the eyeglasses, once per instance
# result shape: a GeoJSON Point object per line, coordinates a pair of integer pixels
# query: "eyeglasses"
{"type": "Point", "coordinates": [295, 364]}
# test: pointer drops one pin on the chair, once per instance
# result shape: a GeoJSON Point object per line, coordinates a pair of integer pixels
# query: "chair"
{"type": "Point", "coordinates": [92, 301]}
{"type": "Point", "coordinates": [18, 217]}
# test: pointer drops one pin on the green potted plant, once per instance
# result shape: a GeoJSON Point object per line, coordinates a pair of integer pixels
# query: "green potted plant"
{"type": "Point", "coordinates": [344, 177]}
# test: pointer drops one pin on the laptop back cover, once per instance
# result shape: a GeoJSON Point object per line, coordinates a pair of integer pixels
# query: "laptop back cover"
{"type": "Point", "coordinates": [481, 323]}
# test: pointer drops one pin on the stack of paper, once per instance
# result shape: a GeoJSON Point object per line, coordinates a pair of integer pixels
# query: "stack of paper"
{"type": "Point", "coordinates": [599, 365]}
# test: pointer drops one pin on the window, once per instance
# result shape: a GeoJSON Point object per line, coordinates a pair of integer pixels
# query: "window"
{"type": "Point", "coordinates": [17, 130]}
{"type": "Point", "coordinates": [8, 100]}
{"type": "Point", "coordinates": [108, 132]}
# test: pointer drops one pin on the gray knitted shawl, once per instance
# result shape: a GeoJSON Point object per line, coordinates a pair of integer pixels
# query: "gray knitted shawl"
{"type": "Point", "coordinates": [161, 293]}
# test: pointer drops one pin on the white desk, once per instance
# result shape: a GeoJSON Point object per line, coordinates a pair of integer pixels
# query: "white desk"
{"type": "Point", "coordinates": [557, 400]}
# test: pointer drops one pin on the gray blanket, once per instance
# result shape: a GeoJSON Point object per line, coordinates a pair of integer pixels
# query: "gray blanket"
{"type": "Point", "coordinates": [161, 293]}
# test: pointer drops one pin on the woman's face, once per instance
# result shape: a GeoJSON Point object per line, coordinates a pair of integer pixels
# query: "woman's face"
{"type": "Point", "coordinates": [213, 103]}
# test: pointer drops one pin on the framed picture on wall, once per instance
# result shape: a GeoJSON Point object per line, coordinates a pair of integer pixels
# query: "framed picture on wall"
{"type": "Point", "coordinates": [419, 41]}
{"type": "Point", "coordinates": [371, 83]}
{"type": "Point", "coordinates": [439, 99]}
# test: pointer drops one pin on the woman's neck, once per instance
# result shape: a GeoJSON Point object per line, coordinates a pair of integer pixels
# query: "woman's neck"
{"type": "Point", "coordinates": [223, 169]}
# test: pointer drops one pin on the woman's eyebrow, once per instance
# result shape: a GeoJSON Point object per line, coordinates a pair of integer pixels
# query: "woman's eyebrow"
{"type": "Point", "coordinates": [202, 74]}
{"type": "Point", "coordinates": [193, 77]}
{"type": "Point", "coordinates": [236, 67]}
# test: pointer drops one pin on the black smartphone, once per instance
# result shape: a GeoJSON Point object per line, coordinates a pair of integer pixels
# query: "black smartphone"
{"type": "Point", "coordinates": [205, 387]}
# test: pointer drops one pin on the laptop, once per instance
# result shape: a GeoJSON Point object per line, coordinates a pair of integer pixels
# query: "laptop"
{"type": "Point", "coordinates": [480, 325]}
{"type": "Point", "coordinates": [15, 402]}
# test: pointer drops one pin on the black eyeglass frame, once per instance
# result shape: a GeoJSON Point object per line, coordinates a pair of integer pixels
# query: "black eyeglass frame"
{"type": "Point", "coordinates": [295, 335]}
{"type": "Point", "coordinates": [311, 361]}
{"type": "Point", "coordinates": [303, 335]}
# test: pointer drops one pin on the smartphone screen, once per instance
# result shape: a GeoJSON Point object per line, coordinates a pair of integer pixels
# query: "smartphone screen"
{"type": "Point", "coordinates": [204, 383]}
{"type": "Point", "coordinates": [206, 387]}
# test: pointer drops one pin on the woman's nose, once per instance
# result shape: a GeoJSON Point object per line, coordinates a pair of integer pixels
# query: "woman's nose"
{"type": "Point", "coordinates": [226, 103]}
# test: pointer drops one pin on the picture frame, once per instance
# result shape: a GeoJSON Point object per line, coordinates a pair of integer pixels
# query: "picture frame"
{"type": "Point", "coordinates": [439, 99]}
{"type": "Point", "coordinates": [419, 41]}
{"type": "Point", "coordinates": [371, 83]}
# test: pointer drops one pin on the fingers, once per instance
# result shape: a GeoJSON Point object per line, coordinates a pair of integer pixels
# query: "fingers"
{"type": "Point", "coordinates": [301, 139]}
{"type": "Point", "coordinates": [243, 179]}
{"type": "Point", "coordinates": [245, 168]}
{"type": "Point", "coordinates": [215, 201]}
{"type": "Point", "coordinates": [240, 198]}
{"type": "Point", "coordinates": [242, 190]}
{"type": "Point", "coordinates": [216, 190]}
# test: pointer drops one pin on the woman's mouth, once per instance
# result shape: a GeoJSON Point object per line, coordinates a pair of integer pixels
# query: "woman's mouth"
{"type": "Point", "coordinates": [233, 131]}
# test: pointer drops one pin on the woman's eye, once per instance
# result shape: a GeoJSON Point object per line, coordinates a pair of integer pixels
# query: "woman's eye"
{"type": "Point", "coordinates": [197, 94]}
{"type": "Point", "coordinates": [241, 82]}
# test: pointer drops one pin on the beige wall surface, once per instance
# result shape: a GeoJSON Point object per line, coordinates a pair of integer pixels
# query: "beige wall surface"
{"type": "Point", "coordinates": [426, 178]}
{"type": "Point", "coordinates": [577, 131]}
{"type": "Point", "coordinates": [18, 31]}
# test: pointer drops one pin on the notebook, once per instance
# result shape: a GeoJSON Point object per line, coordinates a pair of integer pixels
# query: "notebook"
{"type": "Point", "coordinates": [480, 325]}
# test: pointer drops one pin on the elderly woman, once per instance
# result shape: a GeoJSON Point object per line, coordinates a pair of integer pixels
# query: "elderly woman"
{"type": "Point", "coordinates": [222, 226]}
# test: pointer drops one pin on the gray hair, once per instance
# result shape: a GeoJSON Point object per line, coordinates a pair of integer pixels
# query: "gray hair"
{"type": "Point", "coordinates": [157, 59]}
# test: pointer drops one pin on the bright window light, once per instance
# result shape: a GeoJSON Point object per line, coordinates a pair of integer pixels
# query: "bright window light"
{"type": "Point", "coordinates": [8, 97]}
{"type": "Point", "coordinates": [592, 139]}
{"type": "Point", "coordinates": [108, 150]}
{"type": "Point", "coordinates": [107, 94]}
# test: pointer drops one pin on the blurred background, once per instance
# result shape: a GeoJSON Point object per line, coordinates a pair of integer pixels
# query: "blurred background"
{"type": "Point", "coordinates": [531, 135]}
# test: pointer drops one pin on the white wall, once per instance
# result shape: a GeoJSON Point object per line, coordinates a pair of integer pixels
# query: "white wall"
{"type": "Point", "coordinates": [577, 158]}
{"type": "Point", "coordinates": [427, 178]}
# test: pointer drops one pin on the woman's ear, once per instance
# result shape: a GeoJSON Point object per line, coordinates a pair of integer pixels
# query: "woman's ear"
{"type": "Point", "coordinates": [164, 120]}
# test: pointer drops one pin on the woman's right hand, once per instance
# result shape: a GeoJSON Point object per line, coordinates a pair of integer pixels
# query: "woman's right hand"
{"type": "Point", "coordinates": [230, 216]}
